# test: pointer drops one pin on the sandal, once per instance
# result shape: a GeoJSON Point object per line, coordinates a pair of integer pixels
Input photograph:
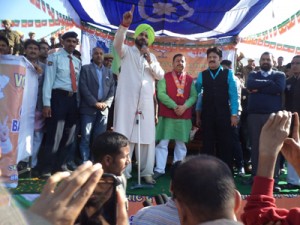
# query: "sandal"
{"type": "Point", "coordinates": [148, 180]}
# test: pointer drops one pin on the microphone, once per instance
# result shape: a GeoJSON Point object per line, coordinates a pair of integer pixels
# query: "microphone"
{"type": "Point", "coordinates": [145, 54]}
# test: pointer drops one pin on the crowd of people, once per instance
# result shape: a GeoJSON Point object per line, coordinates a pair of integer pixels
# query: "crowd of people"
{"type": "Point", "coordinates": [239, 110]}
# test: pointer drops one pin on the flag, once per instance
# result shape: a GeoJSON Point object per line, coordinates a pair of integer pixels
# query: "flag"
{"type": "Point", "coordinates": [270, 33]}
{"type": "Point", "coordinates": [51, 23]}
{"type": "Point", "coordinates": [24, 23]}
{"type": "Point", "coordinates": [274, 31]}
{"type": "Point", "coordinates": [44, 23]}
{"type": "Point", "coordinates": [267, 44]}
{"type": "Point", "coordinates": [56, 22]}
{"type": "Point", "coordinates": [260, 42]}
{"type": "Point", "coordinates": [279, 46]}
{"type": "Point", "coordinates": [283, 26]}
{"type": "Point", "coordinates": [38, 4]}
{"type": "Point", "coordinates": [298, 16]}
{"type": "Point", "coordinates": [52, 13]}
{"type": "Point", "coordinates": [297, 52]}
{"type": "Point", "coordinates": [30, 23]}
{"type": "Point", "coordinates": [289, 48]}
{"type": "Point", "coordinates": [272, 45]}
{"type": "Point", "coordinates": [265, 35]}
{"type": "Point", "coordinates": [37, 23]}
{"type": "Point", "coordinates": [16, 23]}
{"type": "Point", "coordinates": [60, 17]}
{"type": "Point", "coordinates": [48, 9]}
{"type": "Point", "coordinates": [292, 22]}
{"type": "Point", "coordinates": [33, 2]}
{"type": "Point", "coordinates": [43, 6]}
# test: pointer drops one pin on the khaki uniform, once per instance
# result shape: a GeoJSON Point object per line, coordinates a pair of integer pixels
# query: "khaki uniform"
{"type": "Point", "coordinates": [245, 72]}
{"type": "Point", "coordinates": [13, 39]}
{"type": "Point", "coordinates": [239, 66]}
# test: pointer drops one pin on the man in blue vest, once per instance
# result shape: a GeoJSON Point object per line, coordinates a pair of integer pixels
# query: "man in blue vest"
{"type": "Point", "coordinates": [217, 107]}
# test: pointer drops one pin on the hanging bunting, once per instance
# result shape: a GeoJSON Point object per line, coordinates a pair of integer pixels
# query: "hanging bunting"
{"type": "Point", "coordinates": [279, 29]}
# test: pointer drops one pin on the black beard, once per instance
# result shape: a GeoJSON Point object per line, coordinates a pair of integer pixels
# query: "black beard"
{"type": "Point", "coordinates": [140, 43]}
{"type": "Point", "coordinates": [265, 67]}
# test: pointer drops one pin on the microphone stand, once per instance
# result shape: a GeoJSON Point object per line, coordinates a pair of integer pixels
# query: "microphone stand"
{"type": "Point", "coordinates": [139, 185]}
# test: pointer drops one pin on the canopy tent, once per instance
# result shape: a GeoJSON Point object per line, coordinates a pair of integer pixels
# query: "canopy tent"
{"type": "Point", "coordinates": [191, 19]}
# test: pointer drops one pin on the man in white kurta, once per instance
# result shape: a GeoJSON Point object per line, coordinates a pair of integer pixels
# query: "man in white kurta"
{"type": "Point", "coordinates": [135, 91]}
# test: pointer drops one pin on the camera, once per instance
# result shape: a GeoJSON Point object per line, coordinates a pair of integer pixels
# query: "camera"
{"type": "Point", "coordinates": [102, 205]}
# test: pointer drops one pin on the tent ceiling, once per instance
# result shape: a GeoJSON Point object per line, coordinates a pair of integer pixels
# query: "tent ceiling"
{"type": "Point", "coordinates": [193, 19]}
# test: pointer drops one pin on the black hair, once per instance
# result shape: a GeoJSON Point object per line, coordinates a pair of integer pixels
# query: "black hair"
{"type": "Point", "coordinates": [288, 66]}
{"type": "Point", "coordinates": [76, 52]}
{"type": "Point", "coordinates": [226, 62]}
{"type": "Point", "coordinates": [266, 53]}
{"type": "Point", "coordinates": [177, 55]}
{"type": "Point", "coordinates": [31, 42]}
{"type": "Point", "coordinates": [216, 50]}
{"type": "Point", "coordinates": [108, 143]}
{"type": "Point", "coordinates": [205, 184]}
{"type": "Point", "coordinates": [43, 42]}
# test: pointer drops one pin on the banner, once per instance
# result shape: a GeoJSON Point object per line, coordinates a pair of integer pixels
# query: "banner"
{"type": "Point", "coordinates": [164, 49]}
{"type": "Point", "coordinates": [17, 106]}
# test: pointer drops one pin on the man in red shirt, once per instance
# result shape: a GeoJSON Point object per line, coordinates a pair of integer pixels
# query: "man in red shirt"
{"type": "Point", "coordinates": [261, 207]}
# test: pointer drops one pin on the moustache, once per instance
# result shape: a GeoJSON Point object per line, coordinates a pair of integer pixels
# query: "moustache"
{"type": "Point", "coordinates": [212, 61]}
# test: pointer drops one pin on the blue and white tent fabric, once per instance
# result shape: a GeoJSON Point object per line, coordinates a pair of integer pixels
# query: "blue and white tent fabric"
{"type": "Point", "coordinates": [193, 19]}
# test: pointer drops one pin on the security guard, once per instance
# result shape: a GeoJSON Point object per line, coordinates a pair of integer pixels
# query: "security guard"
{"type": "Point", "coordinates": [60, 106]}
{"type": "Point", "coordinates": [12, 36]}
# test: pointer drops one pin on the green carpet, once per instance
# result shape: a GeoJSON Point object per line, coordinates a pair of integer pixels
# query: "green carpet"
{"type": "Point", "coordinates": [33, 185]}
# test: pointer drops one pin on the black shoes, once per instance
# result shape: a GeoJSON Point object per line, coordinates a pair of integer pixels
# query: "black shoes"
{"type": "Point", "coordinates": [291, 186]}
{"type": "Point", "coordinates": [156, 175]}
{"type": "Point", "coordinates": [276, 188]}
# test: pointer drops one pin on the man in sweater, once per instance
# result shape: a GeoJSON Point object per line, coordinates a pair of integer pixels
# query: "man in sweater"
{"type": "Point", "coordinates": [265, 97]}
{"type": "Point", "coordinates": [177, 94]}
{"type": "Point", "coordinates": [217, 107]}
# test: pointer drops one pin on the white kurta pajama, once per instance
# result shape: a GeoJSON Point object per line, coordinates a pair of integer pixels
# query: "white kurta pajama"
{"type": "Point", "coordinates": [134, 93]}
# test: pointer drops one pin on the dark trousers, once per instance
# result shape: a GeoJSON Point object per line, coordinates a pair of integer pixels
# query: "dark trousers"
{"type": "Point", "coordinates": [237, 147]}
{"type": "Point", "coordinates": [60, 135]}
{"type": "Point", "coordinates": [255, 125]}
{"type": "Point", "coordinates": [217, 137]}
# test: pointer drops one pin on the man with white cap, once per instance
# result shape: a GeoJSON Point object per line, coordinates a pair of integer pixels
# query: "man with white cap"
{"type": "Point", "coordinates": [134, 96]}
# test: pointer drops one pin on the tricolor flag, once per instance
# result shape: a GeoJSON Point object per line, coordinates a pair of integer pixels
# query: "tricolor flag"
{"type": "Point", "coordinates": [30, 23]}
{"type": "Point", "coordinates": [48, 9]}
{"type": "Point", "coordinates": [16, 23]}
{"type": "Point", "coordinates": [292, 22]}
{"type": "Point", "coordinates": [43, 6]}
{"type": "Point", "coordinates": [279, 46]}
{"type": "Point", "coordinates": [51, 23]}
{"type": "Point", "coordinates": [44, 23]}
{"type": "Point", "coordinates": [272, 45]}
{"type": "Point", "coordinates": [289, 48]}
{"type": "Point", "coordinates": [283, 26]}
{"type": "Point", "coordinates": [37, 23]}
{"type": "Point", "coordinates": [38, 4]}
{"type": "Point", "coordinates": [56, 22]}
{"type": "Point", "coordinates": [24, 23]}
{"type": "Point", "coordinates": [298, 16]}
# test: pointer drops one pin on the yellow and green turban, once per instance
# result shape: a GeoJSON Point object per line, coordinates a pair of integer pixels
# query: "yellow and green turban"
{"type": "Point", "coordinates": [145, 27]}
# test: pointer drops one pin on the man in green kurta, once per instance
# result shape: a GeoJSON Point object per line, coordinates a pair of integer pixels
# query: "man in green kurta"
{"type": "Point", "coordinates": [176, 94]}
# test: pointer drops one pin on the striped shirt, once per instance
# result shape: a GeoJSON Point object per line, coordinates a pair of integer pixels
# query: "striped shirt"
{"type": "Point", "coordinates": [165, 214]}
